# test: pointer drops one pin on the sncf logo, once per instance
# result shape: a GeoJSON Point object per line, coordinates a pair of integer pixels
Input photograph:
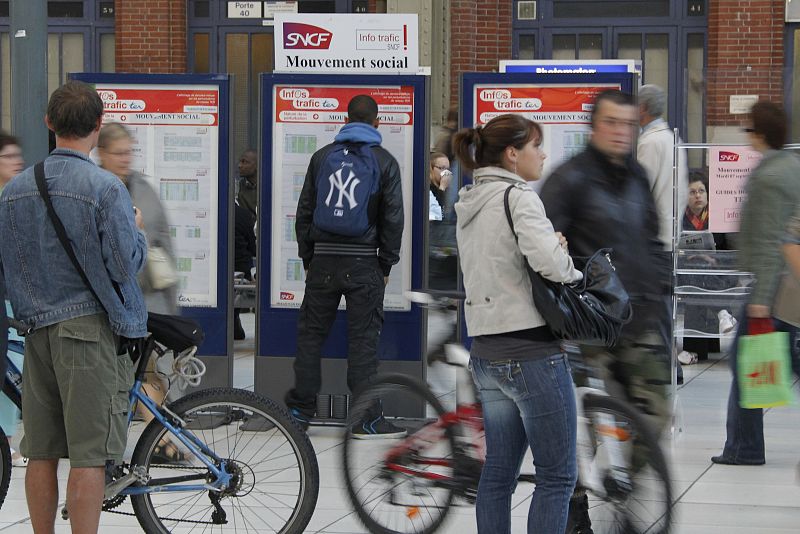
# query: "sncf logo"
{"type": "Point", "coordinates": [305, 36]}
{"type": "Point", "coordinates": [728, 156]}
{"type": "Point", "coordinates": [287, 296]}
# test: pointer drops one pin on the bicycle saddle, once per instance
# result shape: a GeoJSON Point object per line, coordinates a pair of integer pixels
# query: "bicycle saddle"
{"type": "Point", "coordinates": [174, 332]}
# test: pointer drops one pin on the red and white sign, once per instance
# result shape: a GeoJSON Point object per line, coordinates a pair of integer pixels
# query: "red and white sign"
{"type": "Point", "coordinates": [160, 106]}
{"type": "Point", "coordinates": [549, 104]}
{"type": "Point", "coordinates": [728, 170]}
{"type": "Point", "coordinates": [329, 104]}
{"type": "Point", "coordinates": [346, 43]}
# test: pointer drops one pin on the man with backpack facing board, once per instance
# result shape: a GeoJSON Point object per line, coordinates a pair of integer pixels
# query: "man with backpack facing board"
{"type": "Point", "coordinates": [349, 228]}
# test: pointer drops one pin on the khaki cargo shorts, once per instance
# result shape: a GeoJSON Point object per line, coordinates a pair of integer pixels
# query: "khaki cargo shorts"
{"type": "Point", "coordinates": [75, 393]}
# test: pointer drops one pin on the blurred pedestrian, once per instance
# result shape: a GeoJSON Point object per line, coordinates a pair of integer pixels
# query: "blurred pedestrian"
{"type": "Point", "coordinates": [520, 370]}
{"type": "Point", "coordinates": [773, 194]}
{"type": "Point", "coordinates": [601, 199]}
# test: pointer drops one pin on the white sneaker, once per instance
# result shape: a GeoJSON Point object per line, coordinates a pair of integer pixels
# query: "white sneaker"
{"type": "Point", "coordinates": [687, 358]}
{"type": "Point", "coordinates": [727, 322]}
{"type": "Point", "coordinates": [19, 461]}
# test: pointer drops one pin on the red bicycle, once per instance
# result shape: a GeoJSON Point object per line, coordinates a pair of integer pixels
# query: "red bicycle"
{"type": "Point", "coordinates": [408, 485]}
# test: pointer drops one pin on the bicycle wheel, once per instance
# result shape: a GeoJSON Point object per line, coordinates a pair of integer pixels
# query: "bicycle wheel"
{"type": "Point", "coordinates": [637, 498]}
{"type": "Point", "coordinates": [275, 474]}
{"type": "Point", "coordinates": [5, 466]}
{"type": "Point", "coordinates": [400, 485]}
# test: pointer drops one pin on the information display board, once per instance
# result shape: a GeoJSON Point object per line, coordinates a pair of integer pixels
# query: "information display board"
{"type": "Point", "coordinates": [180, 128]}
{"type": "Point", "coordinates": [308, 117]}
{"type": "Point", "coordinates": [303, 113]}
{"type": "Point", "coordinates": [175, 138]}
{"type": "Point", "coordinates": [563, 109]}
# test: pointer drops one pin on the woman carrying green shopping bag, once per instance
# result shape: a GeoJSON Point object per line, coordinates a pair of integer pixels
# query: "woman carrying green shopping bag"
{"type": "Point", "coordinates": [773, 192]}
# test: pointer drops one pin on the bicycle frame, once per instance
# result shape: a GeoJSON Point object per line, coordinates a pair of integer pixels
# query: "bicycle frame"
{"type": "Point", "coordinates": [186, 437]}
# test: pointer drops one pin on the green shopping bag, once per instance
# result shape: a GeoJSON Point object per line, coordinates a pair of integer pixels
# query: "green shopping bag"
{"type": "Point", "coordinates": [764, 370]}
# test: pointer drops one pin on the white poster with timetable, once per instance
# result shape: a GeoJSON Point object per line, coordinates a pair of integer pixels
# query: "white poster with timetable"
{"type": "Point", "coordinates": [176, 135]}
{"type": "Point", "coordinates": [306, 119]}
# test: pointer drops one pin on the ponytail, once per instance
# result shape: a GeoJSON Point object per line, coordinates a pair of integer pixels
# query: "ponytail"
{"type": "Point", "coordinates": [484, 146]}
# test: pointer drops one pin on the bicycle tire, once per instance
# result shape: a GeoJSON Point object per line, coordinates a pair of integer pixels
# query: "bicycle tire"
{"type": "Point", "coordinates": [5, 466]}
{"type": "Point", "coordinates": [621, 510]}
{"type": "Point", "coordinates": [218, 416]}
{"type": "Point", "coordinates": [368, 488]}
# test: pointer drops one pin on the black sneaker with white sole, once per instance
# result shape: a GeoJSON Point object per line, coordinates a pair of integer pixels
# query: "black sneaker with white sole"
{"type": "Point", "coordinates": [378, 428]}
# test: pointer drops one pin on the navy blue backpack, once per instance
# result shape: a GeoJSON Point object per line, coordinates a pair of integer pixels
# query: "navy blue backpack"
{"type": "Point", "coordinates": [346, 181]}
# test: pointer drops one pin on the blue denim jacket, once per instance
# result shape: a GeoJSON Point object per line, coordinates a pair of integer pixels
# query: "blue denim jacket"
{"type": "Point", "coordinates": [97, 213]}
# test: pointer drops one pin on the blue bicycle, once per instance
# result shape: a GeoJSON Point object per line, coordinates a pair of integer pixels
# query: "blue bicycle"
{"type": "Point", "coordinates": [241, 464]}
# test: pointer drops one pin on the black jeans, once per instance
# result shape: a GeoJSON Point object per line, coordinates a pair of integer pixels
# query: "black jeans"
{"type": "Point", "coordinates": [360, 280]}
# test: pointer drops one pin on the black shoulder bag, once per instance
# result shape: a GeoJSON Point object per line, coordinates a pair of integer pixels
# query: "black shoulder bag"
{"type": "Point", "coordinates": [126, 345]}
{"type": "Point", "coordinates": [591, 311]}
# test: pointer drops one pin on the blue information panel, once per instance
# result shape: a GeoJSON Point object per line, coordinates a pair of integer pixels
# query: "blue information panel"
{"type": "Point", "coordinates": [301, 114]}
{"type": "Point", "coordinates": [180, 128]}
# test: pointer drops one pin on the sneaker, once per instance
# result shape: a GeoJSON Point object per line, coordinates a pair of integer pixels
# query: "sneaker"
{"type": "Point", "coordinates": [727, 323]}
{"type": "Point", "coordinates": [379, 428]}
{"type": "Point", "coordinates": [17, 460]}
{"type": "Point", "coordinates": [687, 358]}
{"type": "Point", "coordinates": [300, 418]}
{"type": "Point", "coordinates": [578, 521]}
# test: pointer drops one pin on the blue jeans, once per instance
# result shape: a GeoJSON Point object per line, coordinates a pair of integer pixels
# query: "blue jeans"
{"type": "Point", "coordinates": [745, 427]}
{"type": "Point", "coordinates": [526, 403]}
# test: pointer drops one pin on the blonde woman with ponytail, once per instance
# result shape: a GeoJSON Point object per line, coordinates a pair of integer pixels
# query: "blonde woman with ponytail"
{"type": "Point", "coordinates": [518, 366]}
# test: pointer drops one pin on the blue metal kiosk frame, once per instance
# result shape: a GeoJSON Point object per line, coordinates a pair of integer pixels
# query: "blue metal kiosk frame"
{"type": "Point", "coordinates": [217, 322]}
{"type": "Point", "coordinates": [402, 338]}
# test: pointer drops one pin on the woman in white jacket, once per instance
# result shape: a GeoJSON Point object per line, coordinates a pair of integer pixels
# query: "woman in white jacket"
{"type": "Point", "coordinates": [518, 366]}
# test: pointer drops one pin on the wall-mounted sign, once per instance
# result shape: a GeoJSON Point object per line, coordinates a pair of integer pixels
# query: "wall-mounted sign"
{"type": "Point", "coordinates": [346, 43]}
{"type": "Point", "coordinates": [244, 10]}
{"type": "Point", "coordinates": [741, 104]}
{"type": "Point", "coordinates": [575, 66]}
{"type": "Point", "coordinates": [273, 8]}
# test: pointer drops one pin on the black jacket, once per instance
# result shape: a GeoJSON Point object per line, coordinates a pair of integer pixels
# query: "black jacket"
{"type": "Point", "coordinates": [244, 240]}
{"type": "Point", "coordinates": [597, 204]}
{"type": "Point", "coordinates": [385, 213]}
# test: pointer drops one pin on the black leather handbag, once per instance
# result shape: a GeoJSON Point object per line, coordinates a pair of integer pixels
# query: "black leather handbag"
{"type": "Point", "coordinates": [591, 311]}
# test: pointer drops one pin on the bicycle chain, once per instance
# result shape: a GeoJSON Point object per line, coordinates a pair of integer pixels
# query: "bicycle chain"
{"type": "Point", "coordinates": [119, 499]}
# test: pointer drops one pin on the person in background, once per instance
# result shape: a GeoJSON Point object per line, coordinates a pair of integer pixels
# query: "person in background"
{"type": "Point", "coordinates": [247, 184]}
{"type": "Point", "coordinates": [598, 199]}
{"type": "Point", "coordinates": [439, 180]}
{"type": "Point", "coordinates": [695, 219]}
{"type": "Point", "coordinates": [244, 250]}
{"type": "Point", "coordinates": [656, 153]}
{"type": "Point", "coordinates": [773, 194]}
{"type": "Point", "coordinates": [695, 216]}
{"type": "Point", "coordinates": [115, 150]}
{"type": "Point", "coordinates": [11, 162]}
{"type": "Point", "coordinates": [522, 374]}
{"type": "Point", "coordinates": [76, 330]}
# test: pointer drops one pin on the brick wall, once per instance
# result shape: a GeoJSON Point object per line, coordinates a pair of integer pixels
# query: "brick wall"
{"type": "Point", "coordinates": [481, 37]}
{"type": "Point", "coordinates": [150, 36]}
{"type": "Point", "coordinates": [745, 55]}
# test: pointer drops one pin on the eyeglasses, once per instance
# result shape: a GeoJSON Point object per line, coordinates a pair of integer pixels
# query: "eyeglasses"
{"type": "Point", "coordinates": [441, 168]}
{"type": "Point", "coordinates": [748, 130]}
{"type": "Point", "coordinates": [120, 153]}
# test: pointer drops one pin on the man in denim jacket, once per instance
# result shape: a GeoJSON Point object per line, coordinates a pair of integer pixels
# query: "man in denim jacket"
{"type": "Point", "coordinates": [75, 384]}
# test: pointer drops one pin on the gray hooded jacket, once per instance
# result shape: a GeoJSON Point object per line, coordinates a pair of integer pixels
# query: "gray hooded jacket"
{"type": "Point", "coordinates": [497, 285]}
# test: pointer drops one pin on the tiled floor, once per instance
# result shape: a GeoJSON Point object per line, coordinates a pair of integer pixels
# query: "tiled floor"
{"type": "Point", "coordinates": [711, 499]}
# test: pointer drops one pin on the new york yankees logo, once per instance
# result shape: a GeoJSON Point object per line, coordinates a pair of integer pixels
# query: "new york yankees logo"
{"type": "Point", "coordinates": [346, 188]}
